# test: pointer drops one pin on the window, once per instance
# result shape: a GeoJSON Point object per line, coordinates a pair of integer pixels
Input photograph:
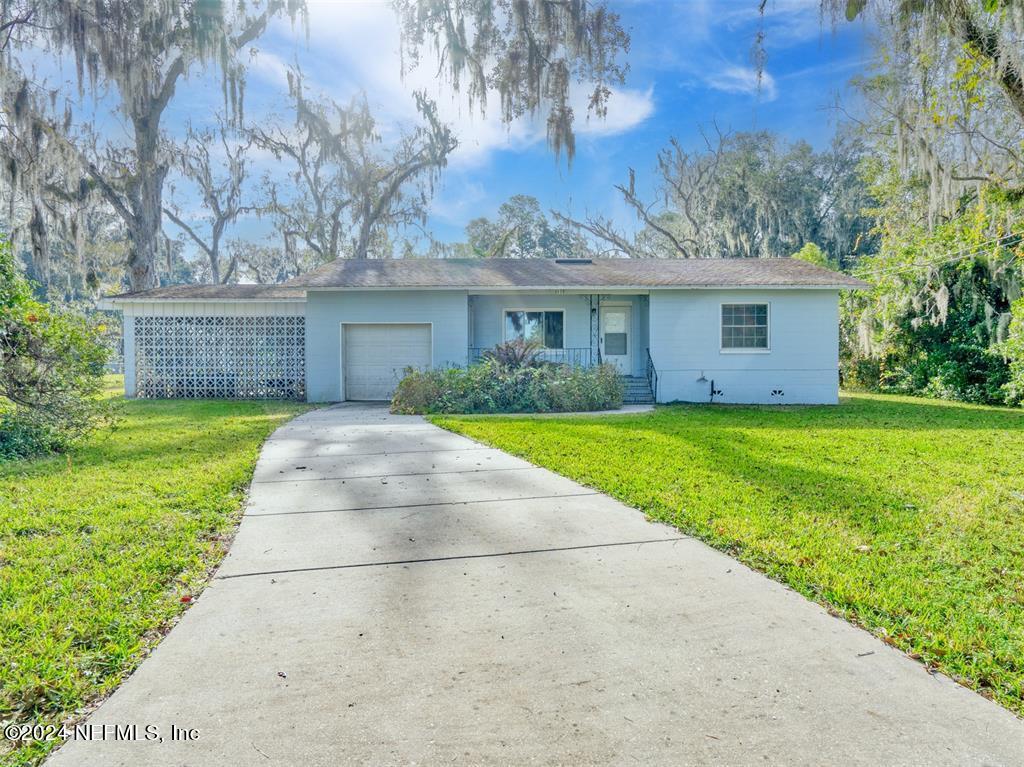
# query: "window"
{"type": "Point", "coordinates": [615, 332]}
{"type": "Point", "coordinates": [546, 328]}
{"type": "Point", "coordinates": [744, 326]}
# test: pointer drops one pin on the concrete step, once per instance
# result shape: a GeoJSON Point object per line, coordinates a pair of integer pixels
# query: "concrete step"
{"type": "Point", "coordinates": [638, 391]}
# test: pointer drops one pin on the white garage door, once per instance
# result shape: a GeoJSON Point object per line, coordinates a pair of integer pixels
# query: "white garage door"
{"type": "Point", "coordinates": [375, 357]}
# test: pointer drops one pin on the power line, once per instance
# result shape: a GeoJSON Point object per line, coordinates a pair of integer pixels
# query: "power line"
{"type": "Point", "coordinates": [960, 255]}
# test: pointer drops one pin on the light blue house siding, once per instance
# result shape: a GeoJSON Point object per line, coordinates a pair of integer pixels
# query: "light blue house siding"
{"type": "Point", "coordinates": [487, 316]}
{"type": "Point", "coordinates": [802, 362]}
{"type": "Point", "coordinates": [445, 310]}
{"type": "Point", "coordinates": [682, 329]}
{"type": "Point", "coordinates": [350, 329]}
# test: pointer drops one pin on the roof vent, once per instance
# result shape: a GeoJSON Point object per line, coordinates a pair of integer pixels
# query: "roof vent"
{"type": "Point", "coordinates": [573, 261]}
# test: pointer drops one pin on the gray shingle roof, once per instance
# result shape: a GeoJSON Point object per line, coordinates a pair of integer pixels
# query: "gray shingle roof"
{"type": "Point", "coordinates": [215, 292]}
{"type": "Point", "coordinates": [599, 273]}
{"type": "Point", "coordinates": [517, 273]}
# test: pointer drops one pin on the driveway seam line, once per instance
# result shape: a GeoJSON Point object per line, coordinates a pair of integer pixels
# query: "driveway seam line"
{"type": "Point", "coordinates": [426, 560]}
{"type": "Point", "coordinates": [386, 474]}
{"type": "Point", "coordinates": [312, 429]}
{"type": "Point", "coordinates": [383, 452]}
{"type": "Point", "coordinates": [419, 505]}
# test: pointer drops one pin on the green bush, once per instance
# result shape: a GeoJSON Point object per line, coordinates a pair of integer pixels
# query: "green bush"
{"type": "Point", "coordinates": [51, 368]}
{"type": "Point", "coordinates": [516, 354]}
{"type": "Point", "coordinates": [955, 354]}
{"type": "Point", "coordinates": [1013, 349]}
{"type": "Point", "coordinates": [493, 387]}
{"type": "Point", "coordinates": [812, 254]}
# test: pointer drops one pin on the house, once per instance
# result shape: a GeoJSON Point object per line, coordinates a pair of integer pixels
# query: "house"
{"type": "Point", "coordinates": [723, 330]}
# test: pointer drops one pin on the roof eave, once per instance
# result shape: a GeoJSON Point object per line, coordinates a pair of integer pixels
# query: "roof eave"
{"type": "Point", "coordinates": [577, 288]}
{"type": "Point", "coordinates": [112, 302]}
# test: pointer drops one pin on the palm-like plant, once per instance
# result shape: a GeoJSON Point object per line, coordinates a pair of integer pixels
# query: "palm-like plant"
{"type": "Point", "coordinates": [516, 354]}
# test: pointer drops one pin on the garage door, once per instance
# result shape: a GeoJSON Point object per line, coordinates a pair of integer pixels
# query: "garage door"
{"type": "Point", "coordinates": [375, 357]}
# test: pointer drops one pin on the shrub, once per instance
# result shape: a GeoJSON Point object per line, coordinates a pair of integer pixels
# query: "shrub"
{"type": "Point", "coordinates": [812, 254]}
{"type": "Point", "coordinates": [955, 354]}
{"type": "Point", "coordinates": [51, 368]}
{"type": "Point", "coordinates": [493, 387]}
{"type": "Point", "coordinates": [515, 354]}
{"type": "Point", "coordinates": [1013, 348]}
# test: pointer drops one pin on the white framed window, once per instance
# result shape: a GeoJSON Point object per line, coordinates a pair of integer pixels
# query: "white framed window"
{"type": "Point", "coordinates": [543, 326]}
{"type": "Point", "coordinates": [745, 327]}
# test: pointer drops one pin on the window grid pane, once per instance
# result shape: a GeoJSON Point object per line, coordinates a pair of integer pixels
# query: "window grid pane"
{"type": "Point", "coordinates": [514, 325]}
{"type": "Point", "coordinates": [553, 330]}
{"type": "Point", "coordinates": [545, 328]}
{"type": "Point", "coordinates": [535, 327]}
{"type": "Point", "coordinates": [744, 326]}
{"type": "Point", "coordinates": [615, 344]}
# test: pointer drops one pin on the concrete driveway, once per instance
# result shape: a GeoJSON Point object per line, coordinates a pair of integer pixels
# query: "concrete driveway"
{"type": "Point", "coordinates": [398, 594]}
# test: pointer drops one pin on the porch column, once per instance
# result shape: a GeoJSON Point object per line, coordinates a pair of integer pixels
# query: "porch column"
{"type": "Point", "coordinates": [128, 344]}
{"type": "Point", "coordinates": [595, 328]}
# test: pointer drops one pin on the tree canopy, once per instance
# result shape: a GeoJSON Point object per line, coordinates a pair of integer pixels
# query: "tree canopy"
{"type": "Point", "coordinates": [345, 191]}
{"type": "Point", "coordinates": [59, 163]}
{"type": "Point", "coordinates": [944, 131]}
{"type": "Point", "coordinates": [522, 230]}
{"type": "Point", "coordinates": [135, 53]}
{"type": "Point", "coordinates": [745, 195]}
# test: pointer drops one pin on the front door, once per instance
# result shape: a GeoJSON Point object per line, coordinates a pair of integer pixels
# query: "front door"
{"type": "Point", "coordinates": [615, 337]}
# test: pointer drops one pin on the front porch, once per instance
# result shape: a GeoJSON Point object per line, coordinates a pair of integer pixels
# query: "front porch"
{"type": "Point", "coordinates": [578, 329]}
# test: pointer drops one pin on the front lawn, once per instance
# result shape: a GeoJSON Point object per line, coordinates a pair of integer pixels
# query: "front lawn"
{"type": "Point", "coordinates": [903, 515]}
{"type": "Point", "coordinates": [98, 548]}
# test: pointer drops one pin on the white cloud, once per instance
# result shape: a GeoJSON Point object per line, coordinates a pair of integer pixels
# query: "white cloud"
{"type": "Point", "coordinates": [268, 66]}
{"type": "Point", "coordinates": [731, 78]}
{"type": "Point", "coordinates": [627, 108]}
{"type": "Point", "coordinates": [457, 203]}
{"type": "Point", "coordinates": [703, 50]}
{"type": "Point", "coordinates": [786, 22]}
{"type": "Point", "coordinates": [356, 46]}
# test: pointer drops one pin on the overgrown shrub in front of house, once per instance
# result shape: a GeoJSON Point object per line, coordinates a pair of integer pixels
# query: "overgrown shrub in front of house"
{"type": "Point", "coordinates": [509, 380]}
{"type": "Point", "coordinates": [51, 369]}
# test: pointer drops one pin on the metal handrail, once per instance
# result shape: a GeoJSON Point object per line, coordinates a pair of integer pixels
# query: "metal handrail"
{"type": "Point", "coordinates": [573, 356]}
{"type": "Point", "coordinates": [652, 375]}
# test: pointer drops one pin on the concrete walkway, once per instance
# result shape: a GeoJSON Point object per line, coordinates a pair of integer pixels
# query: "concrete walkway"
{"type": "Point", "coordinates": [398, 594]}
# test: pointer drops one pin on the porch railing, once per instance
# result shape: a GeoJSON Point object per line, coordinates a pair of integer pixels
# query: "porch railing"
{"type": "Point", "coordinates": [581, 357]}
{"type": "Point", "coordinates": [652, 375]}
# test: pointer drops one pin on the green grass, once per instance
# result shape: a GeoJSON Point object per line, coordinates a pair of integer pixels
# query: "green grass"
{"type": "Point", "coordinates": [98, 547]}
{"type": "Point", "coordinates": [903, 515]}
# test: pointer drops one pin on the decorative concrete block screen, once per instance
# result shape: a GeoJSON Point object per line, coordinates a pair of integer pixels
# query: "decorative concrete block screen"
{"type": "Point", "coordinates": [233, 357]}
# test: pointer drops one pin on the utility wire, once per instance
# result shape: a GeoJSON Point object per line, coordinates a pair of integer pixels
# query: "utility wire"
{"type": "Point", "coordinates": [960, 255]}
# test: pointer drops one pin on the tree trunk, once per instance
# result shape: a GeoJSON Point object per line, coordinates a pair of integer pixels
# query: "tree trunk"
{"type": "Point", "coordinates": [146, 203]}
{"type": "Point", "coordinates": [214, 266]}
{"type": "Point", "coordinates": [40, 244]}
{"type": "Point", "coordinates": [144, 231]}
{"type": "Point", "coordinates": [362, 244]}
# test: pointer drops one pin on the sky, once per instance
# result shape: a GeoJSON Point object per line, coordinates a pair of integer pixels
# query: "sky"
{"type": "Point", "coordinates": [689, 68]}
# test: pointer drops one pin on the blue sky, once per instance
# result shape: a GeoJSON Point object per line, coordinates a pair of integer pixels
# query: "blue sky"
{"type": "Point", "coordinates": [689, 65]}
